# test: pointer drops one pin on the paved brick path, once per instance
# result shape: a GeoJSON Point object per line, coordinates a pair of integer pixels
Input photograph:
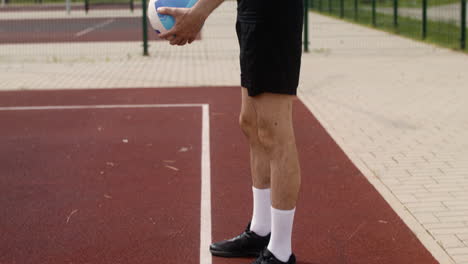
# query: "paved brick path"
{"type": "Point", "coordinates": [397, 107]}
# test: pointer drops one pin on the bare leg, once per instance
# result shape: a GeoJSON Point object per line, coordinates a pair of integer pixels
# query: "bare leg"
{"type": "Point", "coordinates": [259, 161]}
{"type": "Point", "coordinates": [276, 135]}
{"type": "Point", "coordinates": [266, 120]}
{"type": "Point", "coordinates": [260, 169]}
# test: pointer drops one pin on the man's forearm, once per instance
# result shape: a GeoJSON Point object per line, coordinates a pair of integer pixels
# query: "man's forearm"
{"type": "Point", "coordinates": [206, 7]}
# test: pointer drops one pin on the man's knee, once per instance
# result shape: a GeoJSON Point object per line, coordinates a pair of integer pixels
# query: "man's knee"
{"type": "Point", "coordinates": [274, 136]}
{"type": "Point", "coordinates": [268, 135]}
{"type": "Point", "coordinates": [247, 123]}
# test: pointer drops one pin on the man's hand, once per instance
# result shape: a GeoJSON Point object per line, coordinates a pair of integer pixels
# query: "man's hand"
{"type": "Point", "coordinates": [188, 22]}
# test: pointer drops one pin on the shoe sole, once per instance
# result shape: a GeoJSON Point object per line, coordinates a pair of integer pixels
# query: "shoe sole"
{"type": "Point", "coordinates": [227, 254]}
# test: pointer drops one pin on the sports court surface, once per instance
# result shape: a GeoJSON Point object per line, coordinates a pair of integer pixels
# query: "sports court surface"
{"type": "Point", "coordinates": [76, 30]}
{"type": "Point", "coordinates": [111, 157]}
{"type": "Point", "coordinates": [133, 176]}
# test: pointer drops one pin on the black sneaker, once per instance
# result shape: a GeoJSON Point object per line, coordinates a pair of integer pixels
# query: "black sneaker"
{"type": "Point", "coordinates": [266, 257]}
{"type": "Point", "coordinates": [247, 244]}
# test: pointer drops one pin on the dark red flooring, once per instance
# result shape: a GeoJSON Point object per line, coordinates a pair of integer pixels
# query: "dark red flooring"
{"type": "Point", "coordinates": [73, 30]}
{"type": "Point", "coordinates": [73, 190]}
{"type": "Point", "coordinates": [340, 217]}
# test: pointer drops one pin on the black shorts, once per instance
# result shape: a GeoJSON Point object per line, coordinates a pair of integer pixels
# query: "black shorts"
{"type": "Point", "coordinates": [270, 50]}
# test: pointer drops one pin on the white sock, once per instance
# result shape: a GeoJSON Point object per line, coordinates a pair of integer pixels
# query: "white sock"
{"type": "Point", "coordinates": [261, 217]}
{"type": "Point", "coordinates": [281, 230]}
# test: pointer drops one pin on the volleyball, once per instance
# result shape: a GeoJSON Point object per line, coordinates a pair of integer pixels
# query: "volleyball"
{"type": "Point", "coordinates": [163, 23]}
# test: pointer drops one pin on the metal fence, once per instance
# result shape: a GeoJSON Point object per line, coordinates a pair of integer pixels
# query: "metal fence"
{"type": "Point", "coordinates": [443, 22]}
{"type": "Point", "coordinates": [123, 22]}
{"type": "Point", "coordinates": [68, 5]}
{"type": "Point", "coordinates": [73, 30]}
{"type": "Point", "coordinates": [55, 28]}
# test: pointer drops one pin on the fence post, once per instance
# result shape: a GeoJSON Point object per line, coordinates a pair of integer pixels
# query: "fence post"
{"type": "Point", "coordinates": [320, 5]}
{"type": "Point", "coordinates": [330, 6]}
{"type": "Point", "coordinates": [68, 6]}
{"type": "Point", "coordinates": [342, 8]}
{"type": "Point", "coordinates": [86, 6]}
{"type": "Point", "coordinates": [356, 10]}
{"type": "Point", "coordinates": [374, 13]}
{"type": "Point", "coordinates": [145, 28]}
{"type": "Point", "coordinates": [395, 13]}
{"type": "Point", "coordinates": [463, 25]}
{"type": "Point", "coordinates": [132, 6]}
{"type": "Point", "coordinates": [424, 19]}
{"type": "Point", "coordinates": [306, 25]}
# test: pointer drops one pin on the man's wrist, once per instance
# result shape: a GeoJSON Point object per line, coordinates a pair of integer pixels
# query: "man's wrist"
{"type": "Point", "coordinates": [205, 7]}
{"type": "Point", "coordinates": [202, 10]}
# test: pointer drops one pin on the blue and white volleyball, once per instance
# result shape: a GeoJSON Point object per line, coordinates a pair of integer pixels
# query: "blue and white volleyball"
{"type": "Point", "coordinates": [163, 23]}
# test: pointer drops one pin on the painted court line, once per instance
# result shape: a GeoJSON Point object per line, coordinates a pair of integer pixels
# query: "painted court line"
{"type": "Point", "coordinates": [205, 215]}
{"type": "Point", "coordinates": [65, 107]}
{"type": "Point", "coordinates": [90, 29]}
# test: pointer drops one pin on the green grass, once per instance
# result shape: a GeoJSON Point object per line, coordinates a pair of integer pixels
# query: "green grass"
{"type": "Point", "coordinates": [438, 32]}
{"type": "Point", "coordinates": [417, 3]}
{"type": "Point", "coordinates": [401, 3]}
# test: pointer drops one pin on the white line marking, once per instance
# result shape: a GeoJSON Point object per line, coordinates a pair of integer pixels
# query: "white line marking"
{"type": "Point", "coordinates": [205, 216]}
{"type": "Point", "coordinates": [65, 107]}
{"type": "Point", "coordinates": [92, 28]}
{"type": "Point", "coordinates": [205, 205]}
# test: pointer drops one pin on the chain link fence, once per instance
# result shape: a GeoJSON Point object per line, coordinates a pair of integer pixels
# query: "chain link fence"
{"type": "Point", "coordinates": [51, 30]}
{"type": "Point", "coordinates": [72, 30]}
{"type": "Point", "coordinates": [27, 25]}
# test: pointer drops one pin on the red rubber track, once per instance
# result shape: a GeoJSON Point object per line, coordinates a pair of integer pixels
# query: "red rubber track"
{"type": "Point", "coordinates": [74, 192]}
{"type": "Point", "coordinates": [340, 219]}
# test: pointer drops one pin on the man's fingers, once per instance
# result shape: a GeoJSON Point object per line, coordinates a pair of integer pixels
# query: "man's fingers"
{"type": "Point", "coordinates": [168, 34]}
{"type": "Point", "coordinates": [175, 41]}
{"type": "Point", "coordinates": [182, 42]}
{"type": "Point", "coordinates": [172, 11]}
{"type": "Point", "coordinates": [178, 35]}
{"type": "Point", "coordinates": [171, 38]}
{"type": "Point", "coordinates": [166, 11]}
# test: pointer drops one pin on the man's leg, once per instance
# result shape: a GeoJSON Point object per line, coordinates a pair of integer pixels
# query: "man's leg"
{"type": "Point", "coordinates": [256, 237]}
{"type": "Point", "coordinates": [276, 135]}
{"type": "Point", "coordinates": [260, 168]}
{"type": "Point", "coordinates": [259, 162]}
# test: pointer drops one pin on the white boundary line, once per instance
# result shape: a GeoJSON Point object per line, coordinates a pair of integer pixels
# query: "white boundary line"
{"type": "Point", "coordinates": [92, 28]}
{"type": "Point", "coordinates": [66, 107]}
{"type": "Point", "coordinates": [205, 206]}
{"type": "Point", "coordinates": [205, 215]}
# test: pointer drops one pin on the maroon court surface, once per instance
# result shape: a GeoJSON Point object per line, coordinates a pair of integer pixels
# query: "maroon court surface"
{"type": "Point", "coordinates": [73, 30]}
{"type": "Point", "coordinates": [123, 185]}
